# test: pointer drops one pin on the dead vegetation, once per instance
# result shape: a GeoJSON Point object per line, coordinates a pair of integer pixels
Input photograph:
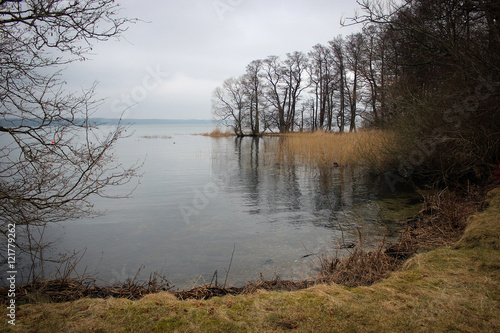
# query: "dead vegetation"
{"type": "Point", "coordinates": [210, 290]}
{"type": "Point", "coordinates": [70, 289]}
{"type": "Point", "coordinates": [332, 149]}
{"type": "Point", "coordinates": [218, 133]}
{"type": "Point", "coordinates": [360, 268]}
{"type": "Point", "coordinates": [441, 222]}
{"type": "Point", "coordinates": [443, 218]}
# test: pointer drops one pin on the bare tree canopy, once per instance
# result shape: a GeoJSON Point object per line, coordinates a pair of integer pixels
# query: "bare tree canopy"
{"type": "Point", "coordinates": [53, 160]}
{"type": "Point", "coordinates": [228, 103]}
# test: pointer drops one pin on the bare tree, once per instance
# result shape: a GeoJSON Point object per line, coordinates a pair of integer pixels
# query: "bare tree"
{"type": "Point", "coordinates": [229, 104]}
{"type": "Point", "coordinates": [53, 159]}
{"type": "Point", "coordinates": [354, 52]}
{"type": "Point", "coordinates": [276, 91]}
{"type": "Point", "coordinates": [253, 85]}
{"type": "Point", "coordinates": [322, 81]}
{"type": "Point", "coordinates": [338, 53]}
{"type": "Point", "coordinates": [296, 64]}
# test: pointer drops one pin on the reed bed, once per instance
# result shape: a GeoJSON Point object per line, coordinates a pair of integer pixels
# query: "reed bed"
{"type": "Point", "coordinates": [218, 133]}
{"type": "Point", "coordinates": [329, 149]}
{"type": "Point", "coordinates": [156, 137]}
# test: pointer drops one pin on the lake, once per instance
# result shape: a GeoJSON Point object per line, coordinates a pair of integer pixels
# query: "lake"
{"type": "Point", "coordinates": [200, 198]}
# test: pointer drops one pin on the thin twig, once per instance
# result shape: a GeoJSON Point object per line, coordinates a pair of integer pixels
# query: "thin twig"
{"type": "Point", "coordinates": [229, 268]}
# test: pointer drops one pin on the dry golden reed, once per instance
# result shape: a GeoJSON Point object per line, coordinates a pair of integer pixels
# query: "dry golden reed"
{"type": "Point", "coordinates": [218, 133]}
{"type": "Point", "coordinates": [331, 149]}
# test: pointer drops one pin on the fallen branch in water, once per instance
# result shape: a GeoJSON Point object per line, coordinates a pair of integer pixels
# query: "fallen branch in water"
{"type": "Point", "coordinates": [70, 289]}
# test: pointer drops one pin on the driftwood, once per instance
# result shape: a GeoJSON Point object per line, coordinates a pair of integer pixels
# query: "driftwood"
{"type": "Point", "coordinates": [211, 290]}
{"type": "Point", "coordinates": [70, 289]}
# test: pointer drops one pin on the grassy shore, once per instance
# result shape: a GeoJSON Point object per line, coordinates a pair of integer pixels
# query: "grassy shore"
{"type": "Point", "coordinates": [454, 288]}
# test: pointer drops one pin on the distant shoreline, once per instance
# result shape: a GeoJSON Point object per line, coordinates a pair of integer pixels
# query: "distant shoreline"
{"type": "Point", "coordinates": [111, 121]}
{"type": "Point", "coordinates": [13, 122]}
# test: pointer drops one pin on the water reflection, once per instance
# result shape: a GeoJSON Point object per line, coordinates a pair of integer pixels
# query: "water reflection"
{"type": "Point", "coordinates": [273, 209]}
{"type": "Point", "coordinates": [281, 189]}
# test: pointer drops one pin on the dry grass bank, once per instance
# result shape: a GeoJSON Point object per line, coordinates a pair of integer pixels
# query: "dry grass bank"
{"type": "Point", "coordinates": [454, 288]}
{"type": "Point", "coordinates": [326, 148]}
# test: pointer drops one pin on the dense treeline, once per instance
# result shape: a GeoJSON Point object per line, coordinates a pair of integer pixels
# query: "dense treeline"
{"type": "Point", "coordinates": [323, 89]}
{"type": "Point", "coordinates": [334, 87]}
{"type": "Point", "coordinates": [427, 70]}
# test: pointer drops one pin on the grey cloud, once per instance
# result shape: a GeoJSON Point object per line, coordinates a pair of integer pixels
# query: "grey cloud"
{"type": "Point", "coordinates": [189, 39]}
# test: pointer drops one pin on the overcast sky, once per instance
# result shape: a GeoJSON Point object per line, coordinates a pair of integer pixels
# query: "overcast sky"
{"type": "Point", "coordinates": [168, 67]}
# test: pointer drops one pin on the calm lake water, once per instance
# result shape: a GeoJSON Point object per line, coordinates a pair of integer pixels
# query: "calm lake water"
{"type": "Point", "coordinates": [200, 197]}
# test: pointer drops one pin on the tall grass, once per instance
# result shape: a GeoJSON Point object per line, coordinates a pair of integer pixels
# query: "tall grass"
{"type": "Point", "coordinates": [320, 148]}
{"type": "Point", "coordinates": [218, 133]}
